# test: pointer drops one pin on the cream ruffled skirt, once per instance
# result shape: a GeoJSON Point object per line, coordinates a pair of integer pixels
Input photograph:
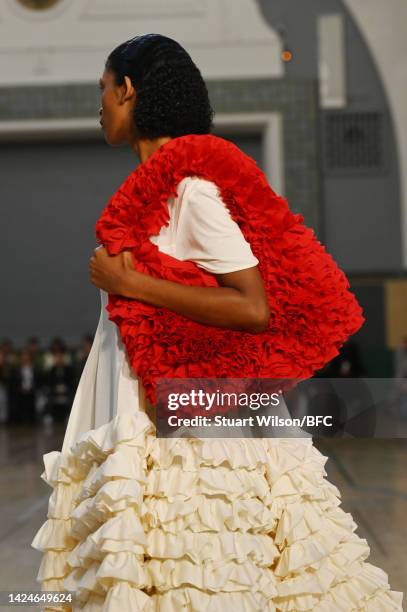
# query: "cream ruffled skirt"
{"type": "Point", "coordinates": [140, 524]}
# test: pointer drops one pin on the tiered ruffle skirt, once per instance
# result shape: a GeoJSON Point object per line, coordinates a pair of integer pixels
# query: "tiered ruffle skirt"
{"type": "Point", "coordinates": [141, 524]}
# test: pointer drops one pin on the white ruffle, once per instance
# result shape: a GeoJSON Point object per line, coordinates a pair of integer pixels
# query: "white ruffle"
{"type": "Point", "coordinates": [137, 523]}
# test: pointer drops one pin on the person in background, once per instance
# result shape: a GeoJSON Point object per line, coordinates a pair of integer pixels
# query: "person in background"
{"type": "Point", "coordinates": [8, 360]}
{"type": "Point", "coordinates": [59, 385]}
{"type": "Point", "coordinates": [9, 353]}
{"type": "Point", "coordinates": [4, 371]}
{"type": "Point", "coordinates": [82, 354]}
{"type": "Point", "coordinates": [23, 384]}
{"type": "Point", "coordinates": [57, 347]}
{"type": "Point", "coordinates": [398, 396]}
{"type": "Point", "coordinates": [33, 346]}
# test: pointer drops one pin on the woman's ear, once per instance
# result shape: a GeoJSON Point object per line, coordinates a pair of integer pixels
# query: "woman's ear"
{"type": "Point", "coordinates": [128, 90]}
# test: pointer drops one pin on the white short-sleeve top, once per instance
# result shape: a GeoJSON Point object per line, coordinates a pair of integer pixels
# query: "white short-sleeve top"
{"type": "Point", "coordinates": [200, 229]}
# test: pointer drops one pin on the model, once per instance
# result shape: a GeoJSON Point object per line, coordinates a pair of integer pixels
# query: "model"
{"type": "Point", "coordinates": [204, 272]}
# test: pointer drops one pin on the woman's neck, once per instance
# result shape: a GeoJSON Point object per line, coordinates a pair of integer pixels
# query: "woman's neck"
{"type": "Point", "coordinates": [146, 147]}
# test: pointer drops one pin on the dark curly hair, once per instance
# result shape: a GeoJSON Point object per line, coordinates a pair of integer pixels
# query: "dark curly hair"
{"type": "Point", "coordinates": [172, 97]}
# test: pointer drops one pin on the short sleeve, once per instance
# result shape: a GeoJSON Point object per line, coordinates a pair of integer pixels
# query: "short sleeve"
{"type": "Point", "coordinates": [206, 232]}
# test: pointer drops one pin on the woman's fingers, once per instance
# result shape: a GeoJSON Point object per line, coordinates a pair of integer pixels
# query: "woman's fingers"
{"type": "Point", "coordinates": [127, 259]}
{"type": "Point", "coordinates": [99, 250]}
{"type": "Point", "coordinates": [106, 271]}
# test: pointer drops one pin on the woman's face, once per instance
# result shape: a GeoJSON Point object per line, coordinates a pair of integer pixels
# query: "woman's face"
{"type": "Point", "coordinates": [117, 102]}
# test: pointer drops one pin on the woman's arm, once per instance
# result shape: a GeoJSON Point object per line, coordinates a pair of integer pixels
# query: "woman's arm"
{"type": "Point", "coordinates": [240, 302]}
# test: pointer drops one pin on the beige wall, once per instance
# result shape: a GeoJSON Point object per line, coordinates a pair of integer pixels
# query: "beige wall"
{"type": "Point", "coordinates": [69, 43]}
{"type": "Point", "coordinates": [396, 312]}
{"type": "Point", "coordinates": [383, 25]}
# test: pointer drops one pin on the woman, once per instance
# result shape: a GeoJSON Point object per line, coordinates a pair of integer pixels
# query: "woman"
{"type": "Point", "coordinates": [138, 523]}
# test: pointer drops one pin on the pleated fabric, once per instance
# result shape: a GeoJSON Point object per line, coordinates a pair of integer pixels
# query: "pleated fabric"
{"type": "Point", "coordinates": [141, 524]}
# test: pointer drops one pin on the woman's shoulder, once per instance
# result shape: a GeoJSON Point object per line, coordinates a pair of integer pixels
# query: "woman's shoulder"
{"type": "Point", "coordinates": [200, 202]}
{"type": "Point", "coordinates": [196, 184]}
{"type": "Point", "coordinates": [205, 230]}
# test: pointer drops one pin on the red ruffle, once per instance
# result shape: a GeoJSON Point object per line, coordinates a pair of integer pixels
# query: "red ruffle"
{"type": "Point", "coordinates": [312, 310]}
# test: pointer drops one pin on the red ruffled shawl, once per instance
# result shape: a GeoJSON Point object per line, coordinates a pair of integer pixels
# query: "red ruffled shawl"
{"type": "Point", "coordinates": [312, 310]}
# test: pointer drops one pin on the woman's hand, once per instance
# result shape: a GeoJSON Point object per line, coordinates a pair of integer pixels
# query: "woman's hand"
{"type": "Point", "coordinates": [110, 272]}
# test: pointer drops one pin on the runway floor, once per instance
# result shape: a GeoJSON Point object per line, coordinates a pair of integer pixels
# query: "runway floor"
{"type": "Point", "coordinates": [371, 475]}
